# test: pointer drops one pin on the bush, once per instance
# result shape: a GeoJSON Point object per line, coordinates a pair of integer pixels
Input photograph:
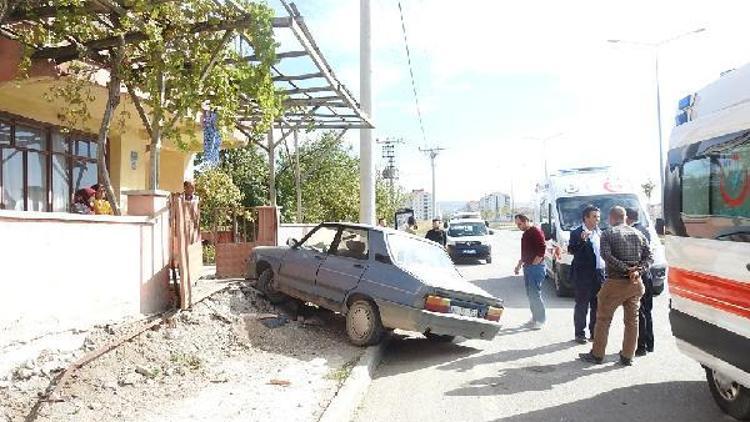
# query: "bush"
{"type": "Point", "coordinates": [209, 254]}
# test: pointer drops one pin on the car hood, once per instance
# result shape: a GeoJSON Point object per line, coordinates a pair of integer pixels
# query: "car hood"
{"type": "Point", "coordinates": [271, 251]}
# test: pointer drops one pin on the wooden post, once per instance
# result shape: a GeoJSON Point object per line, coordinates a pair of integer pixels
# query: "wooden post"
{"type": "Point", "coordinates": [271, 168]}
{"type": "Point", "coordinates": [297, 177]}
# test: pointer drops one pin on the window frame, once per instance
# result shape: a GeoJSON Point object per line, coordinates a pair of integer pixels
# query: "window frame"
{"type": "Point", "coordinates": [47, 132]}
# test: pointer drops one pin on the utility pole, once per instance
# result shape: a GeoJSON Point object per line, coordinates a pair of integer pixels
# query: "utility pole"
{"type": "Point", "coordinates": [433, 153]}
{"type": "Point", "coordinates": [366, 163]}
{"type": "Point", "coordinates": [390, 172]}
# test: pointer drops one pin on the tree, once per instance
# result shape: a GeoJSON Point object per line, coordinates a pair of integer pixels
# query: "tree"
{"type": "Point", "coordinates": [248, 168]}
{"type": "Point", "coordinates": [648, 188]}
{"type": "Point", "coordinates": [387, 202]}
{"type": "Point", "coordinates": [330, 181]}
{"type": "Point", "coordinates": [219, 197]}
{"type": "Point", "coordinates": [173, 58]}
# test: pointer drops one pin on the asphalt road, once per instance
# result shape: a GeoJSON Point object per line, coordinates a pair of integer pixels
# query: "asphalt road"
{"type": "Point", "coordinates": [534, 375]}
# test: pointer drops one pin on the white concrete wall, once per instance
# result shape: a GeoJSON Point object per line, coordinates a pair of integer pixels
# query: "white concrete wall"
{"type": "Point", "coordinates": [297, 231]}
{"type": "Point", "coordinates": [63, 272]}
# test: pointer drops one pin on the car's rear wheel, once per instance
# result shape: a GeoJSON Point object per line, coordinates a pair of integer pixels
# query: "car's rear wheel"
{"type": "Point", "coordinates": [265, 284]}
{"type": "Point", "coordinates": [439, 338]}
{"type": "Point", "coordinates": [731, 397]}
{"type": "Point", "coordinates": [363, 324]}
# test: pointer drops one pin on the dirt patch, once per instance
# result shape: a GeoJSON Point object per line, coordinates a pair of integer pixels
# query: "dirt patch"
{"type": "Point", "coordinates": [232, 357]}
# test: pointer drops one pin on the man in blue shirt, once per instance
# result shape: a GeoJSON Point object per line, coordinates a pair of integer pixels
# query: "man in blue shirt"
{"type": "Point", "coordinates": [586, 271]}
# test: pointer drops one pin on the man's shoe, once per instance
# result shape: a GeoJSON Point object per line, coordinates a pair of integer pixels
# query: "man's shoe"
{"type": "Point", "coordinates": [625, 361]}
{"type": "Point", "coordinates": [640, 352]}
{"type": "Point", "coordinates": [650, 349]}
{"type": "Point", "coordinates": [590, 358]}
{"type": "Point", "coordinates": [580, 339]}
{"type": "Point", "coordinates": [537, 325]}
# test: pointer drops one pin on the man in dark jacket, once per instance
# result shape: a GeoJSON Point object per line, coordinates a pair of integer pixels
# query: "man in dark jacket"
{"type": "Point", "coordinates": [645, 322]}
{"type": "Point", "coordinates": [586, 271]}
{"type": "Point", "coordinates": [436, 233]}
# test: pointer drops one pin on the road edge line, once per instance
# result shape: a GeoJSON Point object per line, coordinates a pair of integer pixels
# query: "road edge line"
{"type": "Point", "coordinates": [344, 404]}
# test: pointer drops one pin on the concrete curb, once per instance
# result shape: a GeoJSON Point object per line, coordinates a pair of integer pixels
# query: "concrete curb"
{"type": "Point", "coordinates": [344, 405]}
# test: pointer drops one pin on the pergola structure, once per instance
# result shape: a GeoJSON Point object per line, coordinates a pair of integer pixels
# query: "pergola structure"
{"type": "Point", "coordinates": [314, 98]}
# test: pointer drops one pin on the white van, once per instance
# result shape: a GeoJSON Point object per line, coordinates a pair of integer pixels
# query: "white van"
{"type": "Point", "coordinates": [560, 203]}
{"type": "Point", "coordinates": [707, 216]}
{"type": "Point", "coordinates": [469, 238]}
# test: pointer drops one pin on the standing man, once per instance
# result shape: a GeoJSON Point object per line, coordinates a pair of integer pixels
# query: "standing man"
{"type": "Point", "coordinates": [436, 233]}
{"type": "Point", "coordinates": [532, 261]}
{"type": "Point", "coordinates": [645, 322]}
{"type": "Point", "coordinates": [587, 271]}
{"type": "Point", "coordinates": [627, 255]}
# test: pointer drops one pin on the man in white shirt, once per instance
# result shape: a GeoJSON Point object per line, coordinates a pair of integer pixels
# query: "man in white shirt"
{"type": "Point", "coordinates": [587, 271]}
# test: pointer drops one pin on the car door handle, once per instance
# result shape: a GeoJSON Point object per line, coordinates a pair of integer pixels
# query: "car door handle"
{"type": "Point", "coordinates": [359, 266]}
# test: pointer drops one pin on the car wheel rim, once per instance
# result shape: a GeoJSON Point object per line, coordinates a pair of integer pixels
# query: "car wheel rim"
{"type": "Point", "coordinates": [361, 322]}
{"type": "Point", "coordinates": [728, 389]}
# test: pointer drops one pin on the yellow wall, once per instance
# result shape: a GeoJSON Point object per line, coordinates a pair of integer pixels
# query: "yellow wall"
{"type": "Point", "coordinates": [26, 99]}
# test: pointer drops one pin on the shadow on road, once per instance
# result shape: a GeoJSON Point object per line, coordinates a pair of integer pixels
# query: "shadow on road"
{"type": "Point", "coordinates": [531, 378]}
{"type": "Point", "coordinates": [407, 354]}
{"type": "Point", "coordinates": [505, 356]}
{"type": "Point", "coordinates": [513, 292]}
{"type": "Point", "coordinates": [666, 401]}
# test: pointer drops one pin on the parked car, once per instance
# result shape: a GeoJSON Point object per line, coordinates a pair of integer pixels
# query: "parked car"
{"type": "Point", "coordinates": [469, 238]}
{"type": "Point", "coordinates": [380, 279]}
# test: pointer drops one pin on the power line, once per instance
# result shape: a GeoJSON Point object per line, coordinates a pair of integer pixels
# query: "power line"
{"type": "Point", "coordinates": [411, 72]}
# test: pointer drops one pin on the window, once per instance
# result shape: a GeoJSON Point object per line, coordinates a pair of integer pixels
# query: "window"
{"type": "Point", "coordinates": [321, 239]}
{"type": "Point", "coordinates": [467, 229]}
{"type": "Point", "coordinates": [695, 187]}
{"type": "Point", "coordinates": [570, 209]}
{"type": "Point", "coordinates": [353, 244]}
{"type": "Point", "coordinates": [40, 166]}
{"type": "Point", "coordinates": [715, 189]}
{"type": "Point", "coordinates": [424, 259]}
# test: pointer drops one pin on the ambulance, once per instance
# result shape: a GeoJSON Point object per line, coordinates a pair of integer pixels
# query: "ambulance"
{"type": "Point", "coordinates": [560, 202]}
{"type": "Point", "coordinates": [707, 224]}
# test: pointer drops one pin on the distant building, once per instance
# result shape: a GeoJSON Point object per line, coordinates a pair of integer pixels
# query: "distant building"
{"type": "Point", "coordinates": [421, 203]}
{"type": "Point", "coordinates": [496, 205]}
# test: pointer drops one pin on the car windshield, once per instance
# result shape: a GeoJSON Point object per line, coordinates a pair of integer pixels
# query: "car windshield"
{"type": "Point", "coordinates": [467, 229]}
{"type": "Point", "coordinates": [571, 209]}
{"type": "Point", "coordinates": [423, 259]}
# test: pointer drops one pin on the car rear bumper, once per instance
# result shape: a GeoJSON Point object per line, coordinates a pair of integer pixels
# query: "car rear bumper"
{"type": "Point", "coordinates": [419, 320]}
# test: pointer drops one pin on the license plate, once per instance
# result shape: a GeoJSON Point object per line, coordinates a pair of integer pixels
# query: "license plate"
{"type": "Point", "coordinates": [458, 310]}
{"type": "Point", "coordinates": [470, 252]}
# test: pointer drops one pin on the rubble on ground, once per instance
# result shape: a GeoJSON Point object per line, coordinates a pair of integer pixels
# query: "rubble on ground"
{"type": "Point", "coordinates": [224, 351]}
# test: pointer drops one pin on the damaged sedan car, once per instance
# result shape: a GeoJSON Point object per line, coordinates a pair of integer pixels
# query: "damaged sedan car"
{"type": "Point", "coordinates": [380, 279]}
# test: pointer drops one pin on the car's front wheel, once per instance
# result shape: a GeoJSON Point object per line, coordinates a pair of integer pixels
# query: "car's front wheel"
{"type": "Point", "coordinates": [265, 284]}
{"type": "Point", "coordinates": [363, 324]}
{"type": "Point", "coordinates": [731, 397]}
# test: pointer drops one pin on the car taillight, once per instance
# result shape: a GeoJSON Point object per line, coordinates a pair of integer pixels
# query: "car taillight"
{"type": "Point", "coordinates": [437, 304]}
{"type": "Point", "coordinates": [494, 314]}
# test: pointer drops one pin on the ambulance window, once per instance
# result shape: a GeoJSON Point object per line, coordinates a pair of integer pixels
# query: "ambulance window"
{"type": "Point", "coordinates": [696, 176]}
{"type": "Point", "coordinates": [730, 193]}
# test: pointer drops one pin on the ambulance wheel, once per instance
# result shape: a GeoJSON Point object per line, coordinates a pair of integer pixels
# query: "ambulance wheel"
{"type": "Point", "coordinates": [732, 398]}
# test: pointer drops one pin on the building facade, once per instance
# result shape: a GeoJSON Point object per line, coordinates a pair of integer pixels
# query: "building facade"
{"type": "Point", "coordinates": [421, 203]}
{"type": "Point", "coordinates": [496, 205]}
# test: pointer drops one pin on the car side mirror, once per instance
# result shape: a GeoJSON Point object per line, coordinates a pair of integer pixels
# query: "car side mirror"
{"type": "Point", "coordinates": [492, 231]}
{"type": "Point", "coordinates": [445, 224]}
{"type": "Point", "coordinates": [291, 242]}
{"type": "Point", "coordinates": [547, 230]}
{"type": "Point", "coordinates": [659, 226]}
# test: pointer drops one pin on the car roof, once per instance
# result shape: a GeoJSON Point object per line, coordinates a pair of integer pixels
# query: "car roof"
{"type": "Point", "coordinates": [353, 225]}
{"type": "Point", "coordinates": [466, 220]}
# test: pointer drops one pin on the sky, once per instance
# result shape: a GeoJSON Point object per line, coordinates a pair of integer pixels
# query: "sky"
{"type": "Point", "coordinates": [496, 77]}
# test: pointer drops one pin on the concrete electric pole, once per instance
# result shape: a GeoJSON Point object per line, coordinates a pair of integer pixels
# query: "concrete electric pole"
{"type": "Point", "coordinates": [390, 172]}
{"type": "Point", "coordinates": [366, 163]}
{"type": "Point", "coordinates": [433, 153]}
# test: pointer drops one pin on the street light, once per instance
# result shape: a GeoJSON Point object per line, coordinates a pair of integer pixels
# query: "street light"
{"type": "Point", "coordinates": [655, 48]}
{"type": "Point", "coordinates": [544, 147]}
